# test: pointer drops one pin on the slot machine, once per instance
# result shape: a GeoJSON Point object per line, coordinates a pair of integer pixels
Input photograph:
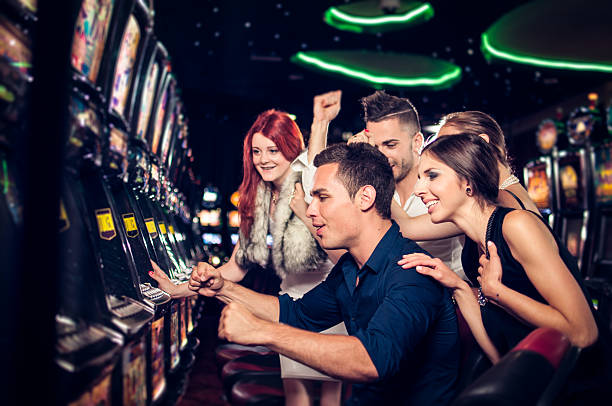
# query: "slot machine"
{"type": "Point", "coordinates": [143, 188]}
{"type": "Point", "coordinates": [124, 176]}
{"type": "Point", "coordinates": [572, 184]}
{"type": "Point", "coordinates": [155, 218]}
{"type": "Point", "coordinates": [601, 256]}
{"type": "Point", "coordinates": [87, 339]}
{"type": "Point", "coordinates": [538, 173]}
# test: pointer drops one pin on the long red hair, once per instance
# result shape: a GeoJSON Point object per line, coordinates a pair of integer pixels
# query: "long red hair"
{"type": "Point", "coordinates": [284, 132]}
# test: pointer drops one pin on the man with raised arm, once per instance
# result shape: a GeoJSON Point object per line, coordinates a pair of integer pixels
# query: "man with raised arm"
{"type": "Point", "coordinates": [403, 343]}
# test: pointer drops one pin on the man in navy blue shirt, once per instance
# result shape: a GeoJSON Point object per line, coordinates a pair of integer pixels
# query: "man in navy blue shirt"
{"type": "Point", "coordinates": [403, 343]}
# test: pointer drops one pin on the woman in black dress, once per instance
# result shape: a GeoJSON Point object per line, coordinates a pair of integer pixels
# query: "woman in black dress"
{"type": "Point", "coordinates": [525, 279]}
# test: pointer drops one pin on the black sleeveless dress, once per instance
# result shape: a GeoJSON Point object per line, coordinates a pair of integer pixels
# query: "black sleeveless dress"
{"type": "Point", "coordinates": [592, 375]}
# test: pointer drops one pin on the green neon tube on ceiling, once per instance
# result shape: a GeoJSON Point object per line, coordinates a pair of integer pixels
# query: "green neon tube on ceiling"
{"type": "Point", "coordinates": [548, 63]}
{"type": "Point", "coordinates": [377, 79]}
{"type": "Point", "coordinates": [425, 9]}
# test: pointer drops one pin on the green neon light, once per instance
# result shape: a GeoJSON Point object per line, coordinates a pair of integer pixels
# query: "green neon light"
{"type": "Point", "coordinates": [425, 9]}
{"type": "Point", "coordinates": [383, 80]}
{"type": "Point", "coordinates": [344, 27]}
{"type": "Point", "coordinates": [6, 181]}
{"type": "Point", "coordinates": [548, 63]}
{"type": "Point", "coordinates": [292, 116]}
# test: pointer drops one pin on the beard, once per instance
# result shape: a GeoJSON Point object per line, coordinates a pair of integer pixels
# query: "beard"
{"type": "Point", "coordinates": [403, 169]}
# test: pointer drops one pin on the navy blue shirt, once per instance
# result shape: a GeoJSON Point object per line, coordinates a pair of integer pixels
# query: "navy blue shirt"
{"type": "Point", "coordinates": [406, 322]}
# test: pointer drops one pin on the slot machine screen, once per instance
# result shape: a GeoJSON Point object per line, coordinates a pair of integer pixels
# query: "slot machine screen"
{"type": "Point", "coordinates": [167, 137]}
{"type": "Point", "coordinates": [210, 197]}
{"type": "Point", "coordinates": [546, 136]}
{"type": "Point", "coordinates": [210, 217]}
{"type": "Point", "coordinates": [134, 374]}
{"type": "Point", "coordinates": [174, 337]}
{"type": "Point", "coordinates": [147, 102]}
{"type": "Point", "coordinates": [233, 219]}
{"type": "Point", "coordinates": [118, 144]}
{"type": "Point", "coordinates": [603, 174]}
{"type": "Point", "coordinates": [154, 172]}
{"type": "Point", "coordinates": [158, 381]}
{"type": "Point", "coordinates": [538, 185]}
{"type": "Point", "coordinates": [211, 238]}
{"type": "Point", "coordinates": [580, 125]}
{"type": "Point", "coordinates": [571, 190]}
{"type": "Point", "coordinates": [125, 66]}
{"type": "Point", "coordinates": [573, 236]}
{"type": "Point", "coordinates": [159, 121]}
{"type": "Point", "coordinates": [90, 35]}
{"type": "Point", "coordinates": [14, 47]}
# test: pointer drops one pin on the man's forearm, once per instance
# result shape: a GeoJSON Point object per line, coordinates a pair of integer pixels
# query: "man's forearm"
{"type": "Point", "coordinates": [263, 306]}
{"type": "Point", "coordinates": [339, 356]}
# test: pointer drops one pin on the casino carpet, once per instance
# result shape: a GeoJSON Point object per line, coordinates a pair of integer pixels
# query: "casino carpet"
{"type": "Point", "coordinates": [204, 387]}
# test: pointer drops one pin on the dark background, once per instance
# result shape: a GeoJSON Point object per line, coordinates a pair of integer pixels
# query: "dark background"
{"type": "Point", "coordinates": [231, 59]}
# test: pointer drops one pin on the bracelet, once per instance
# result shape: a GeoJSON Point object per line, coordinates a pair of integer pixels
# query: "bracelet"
{"type": "Point", "coordinates": [482, 300]}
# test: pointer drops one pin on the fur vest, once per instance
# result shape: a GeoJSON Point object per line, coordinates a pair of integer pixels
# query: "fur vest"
{"type": "Point", "coordinates": [294, 249]}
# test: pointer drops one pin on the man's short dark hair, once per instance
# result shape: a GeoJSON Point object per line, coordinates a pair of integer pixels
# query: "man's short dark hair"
{"type": "Point", "coordinates": [361, 164]}
{"type": "Point", "coordinates": [381, 106]}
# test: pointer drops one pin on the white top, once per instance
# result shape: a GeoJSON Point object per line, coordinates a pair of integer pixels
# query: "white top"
{"type": "Point", "coordinates": [447, 249]}
{"type": "Point", "coordinates": [296, 285]}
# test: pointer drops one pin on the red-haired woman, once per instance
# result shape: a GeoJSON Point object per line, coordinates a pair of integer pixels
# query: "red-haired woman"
{"type": "Point", "coordinates": [268, 185]}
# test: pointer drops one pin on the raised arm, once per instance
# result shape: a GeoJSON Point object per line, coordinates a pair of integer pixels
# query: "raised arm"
{"type": "Point", "coordinates": [421, 228]}
{"type": "Point", "coordinates": [325, 108]}
{"type": "Point", "coordinates": [566, 309]}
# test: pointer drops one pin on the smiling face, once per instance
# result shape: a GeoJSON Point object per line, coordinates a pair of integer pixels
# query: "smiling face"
{"type": "Point", "coordinates": [395, 142]}
{"type": "Point", "coordinates": [441, 190]}
{"type": "Point", "coordinates": [270, 163]}
{"type": "Point", "coordinates": [332, 210]}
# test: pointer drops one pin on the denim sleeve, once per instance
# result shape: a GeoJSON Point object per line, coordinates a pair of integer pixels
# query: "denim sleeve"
{"type": "Point", "coordinates": [317, 310]}
{"type": "Point", "coordinates": [400, 323]}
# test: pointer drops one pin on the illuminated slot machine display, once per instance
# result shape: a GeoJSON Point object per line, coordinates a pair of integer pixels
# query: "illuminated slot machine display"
{"type": "Point", "coordinates": [233, 218]}
{"type": "Point", "coordinates": [538, 173]}
{"type": "Point", "coordinates": [210, 220]}
{"type": "Point", "coordinates": [601, 260]}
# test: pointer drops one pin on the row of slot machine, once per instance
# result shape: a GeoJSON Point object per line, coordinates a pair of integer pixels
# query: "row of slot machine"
{"type": "Point", "coordinates": [571, 183]}
{"type": "Point", "coordinates": [219, 223]}
{"type": "Point", "coordinates": [126, 182]}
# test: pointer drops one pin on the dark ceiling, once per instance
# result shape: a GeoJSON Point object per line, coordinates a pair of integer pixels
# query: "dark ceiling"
{"type": "Point", "coordinates": [231, 58]}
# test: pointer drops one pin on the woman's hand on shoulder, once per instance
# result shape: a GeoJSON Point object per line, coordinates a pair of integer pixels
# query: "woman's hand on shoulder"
{"type": "Point", "coordinates": [434, 267]}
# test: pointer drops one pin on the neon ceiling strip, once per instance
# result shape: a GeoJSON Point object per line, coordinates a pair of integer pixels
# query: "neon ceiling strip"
{"type": "Point", "coordinates": [425, 9]}
{"type": "Point", "coordinates": [388, 80]}
{"type": "Point", "coordinates": [548, 63]}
